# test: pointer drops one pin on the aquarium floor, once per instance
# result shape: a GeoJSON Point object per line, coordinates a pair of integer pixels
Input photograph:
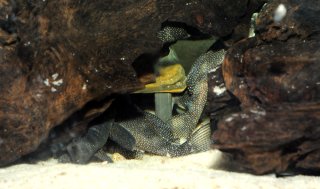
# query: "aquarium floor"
{"type": "Point", "coordinates": [195, 171]}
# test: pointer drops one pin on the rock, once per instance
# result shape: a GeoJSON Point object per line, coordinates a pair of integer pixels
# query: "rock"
{"type": "Point", "coordinates": [275, 77]}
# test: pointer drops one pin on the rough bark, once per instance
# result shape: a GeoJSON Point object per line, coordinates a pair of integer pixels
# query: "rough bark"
{"type": "Point", "coordinates": [275, 77]}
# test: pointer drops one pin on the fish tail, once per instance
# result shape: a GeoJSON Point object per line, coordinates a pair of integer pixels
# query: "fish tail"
{"type": "Point", "coordinates": [200, 139]}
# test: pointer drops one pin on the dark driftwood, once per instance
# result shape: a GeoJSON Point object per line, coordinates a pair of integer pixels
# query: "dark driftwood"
{"type": "Point", "coordinates": [272, 139]}
{"type": "Point", "coordinates": [274, 73]}
{"type": "Point", "coordinates": [275, 77]}
{"type": "Point", "coordinates": [279, 65]}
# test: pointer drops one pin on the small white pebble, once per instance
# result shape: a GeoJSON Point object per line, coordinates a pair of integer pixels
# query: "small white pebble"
{"type": "Point", "coordinates": [229, 119]}
{"type": "Point", "coordinates": [259, 112]}
{"type": "Point", "coordinates": [104, 163]}
{"type": "Point", "coordinates": [279, 13]}
{"type": "Point", "coordinates": [55, 76]}
{"type": "Point", "coordinates": [244, 116]}
{"type": "Point", "coordinates": [53, 89]}
{"type": "Point", "coordinates": [84, 87]}
{"type": "Point", "coordinates": [27, 43]}
{"type": "Point", "coordinates": [46, 82]}
{"type": "Point", "coordinates": [58, 82]}
{"type": "Point", "coordinates": [243, 128]}
{"type": "Point", "coordinates": [219, 90]}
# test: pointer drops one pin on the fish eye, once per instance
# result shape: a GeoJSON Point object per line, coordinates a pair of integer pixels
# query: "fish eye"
{"type": "Point", "coordinates": [190, 93]}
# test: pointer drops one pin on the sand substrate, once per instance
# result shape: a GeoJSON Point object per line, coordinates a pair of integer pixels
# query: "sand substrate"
{"type": "Point", "coordinates": [195, 171]}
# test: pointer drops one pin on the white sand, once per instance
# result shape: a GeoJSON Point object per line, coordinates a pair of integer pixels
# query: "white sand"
{"type": "Point", "coordinates": [194, 171]}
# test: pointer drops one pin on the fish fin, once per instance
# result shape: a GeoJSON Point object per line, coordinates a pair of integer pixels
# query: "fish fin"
{"type": "Point", "coordinates": [122, 136]}
{"type": "Point", "coordinates": [81, 150]}
{"type": "Point", "coordinates": [101, 155]}
{"type": "Point", "coordinates": [200, 139]}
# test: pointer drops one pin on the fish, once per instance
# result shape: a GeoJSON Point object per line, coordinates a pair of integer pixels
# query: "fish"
{"type": "Point", "coordinates": [194, 99]}
{"type": "Point", "coordinates": [146, 132]}
{"type": "Point", "coordinates": [150, 134]}
{"type": "Point", "coordinates": [171, 33]}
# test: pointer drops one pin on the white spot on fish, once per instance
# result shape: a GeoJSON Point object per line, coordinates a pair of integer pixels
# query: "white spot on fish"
{"type": "Point", "coordinates": [213, 70]}
{"type": "Point", "coordinates": [182, 140]}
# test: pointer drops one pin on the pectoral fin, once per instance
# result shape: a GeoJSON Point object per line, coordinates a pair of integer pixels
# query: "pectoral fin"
{"type": "Point", "coordinates": [82, 149]}
{"type": "Point", "coordinates": [200, 139]}
{"type": "Point", "coordinates": [122, 136]}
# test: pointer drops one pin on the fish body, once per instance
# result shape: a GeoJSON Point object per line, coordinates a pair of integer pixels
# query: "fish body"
{"type": "Point", "coordinates": [147, 136]}
{"type": "Point", "coordinates": [194, 99]}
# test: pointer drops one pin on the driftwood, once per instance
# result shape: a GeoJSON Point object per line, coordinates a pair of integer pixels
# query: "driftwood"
{"type": "Point", "coordinates": [275, 77]}
{"type": "Point", "coordinates": [272, 139]}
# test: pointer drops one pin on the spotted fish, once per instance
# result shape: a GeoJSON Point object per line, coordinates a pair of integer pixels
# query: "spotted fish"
{"type": "Point", "coordinates": [170, 34]}
{"type": "Point", "coordinates": [148, 133]}
{"type": "Point", "coordinates": [147, 136]}
{"type": "Point", "coordinates": [194, 99]}
{"type": "Point", "coordinates": [134, 135]}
